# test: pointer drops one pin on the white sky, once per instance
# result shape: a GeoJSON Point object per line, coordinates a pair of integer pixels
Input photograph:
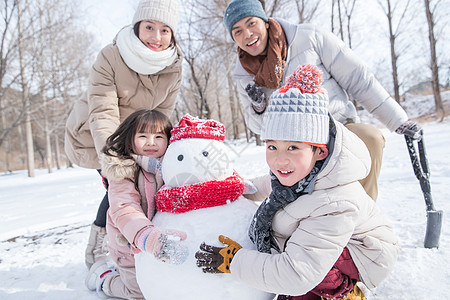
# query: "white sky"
{"type": "Point", "coordinates": [106, 17]}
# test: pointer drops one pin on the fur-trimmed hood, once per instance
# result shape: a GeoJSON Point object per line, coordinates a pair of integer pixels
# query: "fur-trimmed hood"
{"type": "Point", "coordinates": [115, 168]}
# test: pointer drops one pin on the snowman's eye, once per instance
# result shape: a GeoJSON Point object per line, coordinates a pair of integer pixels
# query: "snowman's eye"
{"type": "Point", "coordinates": [180, 157]}
{"type": "Point", "coordinates": [205, 153]}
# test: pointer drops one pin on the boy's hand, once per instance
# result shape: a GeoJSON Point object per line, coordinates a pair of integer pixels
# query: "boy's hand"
{"type": "Point", "coordinates": [217, 259]}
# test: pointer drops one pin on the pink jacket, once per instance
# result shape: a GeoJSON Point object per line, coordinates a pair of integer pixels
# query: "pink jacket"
{"type": "Point", "coordinates": [130, 210]}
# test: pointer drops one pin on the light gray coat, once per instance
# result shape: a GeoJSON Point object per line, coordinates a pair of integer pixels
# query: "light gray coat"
{"type": "Point", "coordinates": [313, 230]}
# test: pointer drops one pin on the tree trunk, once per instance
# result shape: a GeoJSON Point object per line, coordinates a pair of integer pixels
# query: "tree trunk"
{"type": "Point", "coordinates": [332, 15]}
{"type": "Point", "coordinates": [219, 106]}
{"type": "Point", "coordinates": [232, 99]}
{"type": "Point", "coordinates": [394, 56]}
{"type": "Point", "coordinates": [434, 66]}
{"type": "Point", "coordinates": [57, 153]}
{"type": "Point", "coordinates": [25, 95]}
{"type": "Point", "coordinates": [341, 29]}
{"type": "Point", "coordinates": [48, 145]}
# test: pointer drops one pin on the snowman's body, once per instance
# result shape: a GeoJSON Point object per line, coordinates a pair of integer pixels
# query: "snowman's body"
{"type": "Point", "coordinates": [187, 162]}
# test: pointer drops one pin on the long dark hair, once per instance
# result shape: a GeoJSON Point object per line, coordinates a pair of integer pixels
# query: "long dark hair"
{"type": "Point", "coordinates": [173, 41]}
{"type": "Point", "coordinates": [121, 142]}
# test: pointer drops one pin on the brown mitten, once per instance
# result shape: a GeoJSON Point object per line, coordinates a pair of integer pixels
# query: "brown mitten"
{"type": "Point", "coordinates": [217, 259]}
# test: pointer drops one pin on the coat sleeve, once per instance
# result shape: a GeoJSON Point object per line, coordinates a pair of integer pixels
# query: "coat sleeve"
{"type": "Point", "coordinates": [352, 74]}
{"type": "Point", "coordinates": [125, 208]}
{"type": "Point", "coordinates": [168, 105]}
{"type": "Point", "coordinates": [253, 120]}
{"type": "Point", "coordinates": [310, 252]}
{"type": "Point", "coordinates": [103, 103]}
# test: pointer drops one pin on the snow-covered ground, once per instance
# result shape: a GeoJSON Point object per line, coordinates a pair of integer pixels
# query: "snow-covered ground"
{"type": "Point", "coordinates": [44, 223]}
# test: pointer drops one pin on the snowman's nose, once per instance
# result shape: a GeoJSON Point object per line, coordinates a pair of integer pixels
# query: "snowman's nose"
{"type": "Point", "coordinates": [180, 157]}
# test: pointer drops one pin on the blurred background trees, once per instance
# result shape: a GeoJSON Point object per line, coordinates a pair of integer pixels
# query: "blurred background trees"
{"type": "Point", "coordinates": [46, 51]}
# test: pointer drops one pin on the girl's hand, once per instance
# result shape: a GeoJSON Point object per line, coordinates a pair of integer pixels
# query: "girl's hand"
{"type": "Point", "coordinates": [165, 244]}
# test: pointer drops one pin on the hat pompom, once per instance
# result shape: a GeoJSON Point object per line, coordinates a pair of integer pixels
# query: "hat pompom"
{"type": "Point", "coordinates": [306, 78]}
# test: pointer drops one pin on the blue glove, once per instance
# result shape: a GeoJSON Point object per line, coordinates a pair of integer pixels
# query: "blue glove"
{"type": "Point", "coordinates": [411, 129]}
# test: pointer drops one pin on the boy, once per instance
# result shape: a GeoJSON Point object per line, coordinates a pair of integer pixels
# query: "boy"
{"type": "Point", "coordinates": [318, 232]}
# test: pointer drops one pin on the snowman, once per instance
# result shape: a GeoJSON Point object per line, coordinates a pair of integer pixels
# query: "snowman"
{"type": "Point", "coordinates": [202, 196]}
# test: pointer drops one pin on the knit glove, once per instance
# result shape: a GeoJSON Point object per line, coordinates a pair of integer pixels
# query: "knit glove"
{"type": "Point", "coordinates": [164, 244]}
{"type": "Point", "coordinates": [257, 97]}
{"type": "Point", "coordinates": [217, 259]}
{"type": "Point", "coordinates": [411, 129]}
{"type": "Point", "coordinates": [249, 188]}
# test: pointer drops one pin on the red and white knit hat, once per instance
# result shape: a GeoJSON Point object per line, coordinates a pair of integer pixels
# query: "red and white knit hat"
{"type": "Point", "coordinates": [191, 127]}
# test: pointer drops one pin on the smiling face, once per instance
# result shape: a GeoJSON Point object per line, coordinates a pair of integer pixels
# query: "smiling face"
{"type": "Point", "coordinates": [155, 35]}
{"type": "Point", "coordinates": [150, 144]}
{"type": "Point", "coordinates": [251, 35]}
{"type": "Point", "coordinates": [292, 161]}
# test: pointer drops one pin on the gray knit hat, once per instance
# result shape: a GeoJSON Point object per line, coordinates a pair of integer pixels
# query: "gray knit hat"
{"type": "Point", "coordinates": [239, 9]}
{"type": "Point", "coordinates": [298, 111]}
{"type": "Point", "coordinates": [165, 11]}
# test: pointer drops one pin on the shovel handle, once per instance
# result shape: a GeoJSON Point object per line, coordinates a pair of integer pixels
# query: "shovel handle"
{"type": "Point", "coordinates": [421, 170]}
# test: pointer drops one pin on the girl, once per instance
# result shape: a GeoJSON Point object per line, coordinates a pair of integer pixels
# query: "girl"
{"type": "Point", "coordinates": [129, 161]}
{"type": "Point", "coordinates": [141, 69]}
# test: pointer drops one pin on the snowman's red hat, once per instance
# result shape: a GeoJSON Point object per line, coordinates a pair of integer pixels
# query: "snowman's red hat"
{"type": "Point", "coordinates": [191, 127]}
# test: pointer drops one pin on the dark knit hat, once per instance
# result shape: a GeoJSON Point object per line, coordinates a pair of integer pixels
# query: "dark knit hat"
{"type": "Point", "coordinates": [239, 9]}
{"type": "Point", "coordinates": [298, 111]}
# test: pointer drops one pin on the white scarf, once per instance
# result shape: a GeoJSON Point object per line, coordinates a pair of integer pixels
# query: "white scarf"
{"type": "Point", "coordinates": [138, 57]}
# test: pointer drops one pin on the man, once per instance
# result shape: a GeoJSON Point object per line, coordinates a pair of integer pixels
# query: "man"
{"type": "Point", "coordinates": [270, 50]}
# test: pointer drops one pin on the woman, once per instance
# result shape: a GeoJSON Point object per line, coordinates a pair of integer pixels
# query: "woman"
{"type": "Point", "coordinates": [141, 69]}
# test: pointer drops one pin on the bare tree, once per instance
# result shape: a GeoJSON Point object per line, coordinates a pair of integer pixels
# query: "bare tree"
{"type": "Point", "coordinates": [393, 16]}
{"type": "Point", "coordinates": [345, 11]}
{"type": "Point", "coordinates": [41, 74]}
{"type": "Point", "coordinates": [340, 18]}
{"type": "Point", "coordinates": [8, 76]}
{"type": "Point", "coordinates": [349, 7]}
{"type": "Point", "coordinates": [25, 92]}
{"type": "Point", "coordinates": [43, 79]}
{"type": "Point", "coordinates": [307, 10]}
{"type": "Point", "coordinates": [433, 63]}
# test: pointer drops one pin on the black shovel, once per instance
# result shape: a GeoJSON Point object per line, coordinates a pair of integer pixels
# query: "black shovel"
{"type": "Point", "coordinates": [434, 217]}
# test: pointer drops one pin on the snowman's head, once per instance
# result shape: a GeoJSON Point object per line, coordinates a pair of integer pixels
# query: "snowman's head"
{"type": "Point", "coordinates": [196, 153]}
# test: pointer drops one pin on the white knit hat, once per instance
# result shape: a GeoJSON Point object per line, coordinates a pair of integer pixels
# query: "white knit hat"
{"type": "Point", "coordinates": [165, 11]}
{"type": "Point", "coordinates": [298, 111]}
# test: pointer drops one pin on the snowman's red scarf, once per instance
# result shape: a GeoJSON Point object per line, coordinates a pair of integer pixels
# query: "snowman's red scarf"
{"type": "Point", "coordinates": [201, 195]}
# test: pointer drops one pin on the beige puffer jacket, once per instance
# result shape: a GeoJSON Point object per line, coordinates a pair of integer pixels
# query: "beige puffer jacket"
{"type": "Point", "coordinates": [313, 230]}
{"type": "Point", "coordinates": [343, 72]}
{"type": "Point", "coordinates": [115, 91]}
